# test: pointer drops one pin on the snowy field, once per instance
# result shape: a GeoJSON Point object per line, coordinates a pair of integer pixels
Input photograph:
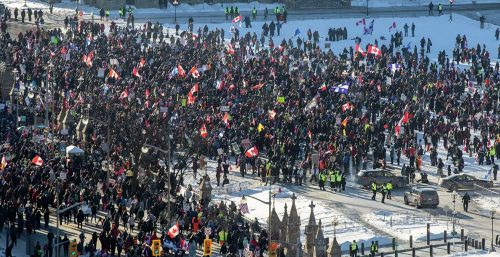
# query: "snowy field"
{"type": "Point", "coordinates": [441, 32]}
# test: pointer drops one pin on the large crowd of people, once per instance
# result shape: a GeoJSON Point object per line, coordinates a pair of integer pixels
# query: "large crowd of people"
{"type": "Point", "coordinates": [271, 107]}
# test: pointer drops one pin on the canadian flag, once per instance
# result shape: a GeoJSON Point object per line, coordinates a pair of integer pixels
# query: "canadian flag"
{"type": "Point", "coordinates": [226, 118]}
{"type": "Point", "coordinates": [347, 106]}
{"type": "Point", "coordinates": [3, 164]}
{"type": "Point", "coordinates": [142, 62]}
{"type": "Point", "coordinates": [323, 87]}
{"type": "Point", "coordinates": [220, 85]}
{"type": "Point", "coordinates": [135, 72]}
{"type": "Point", "coordinates": [37, 161]}
{"type": "Point", "coordinates": [113, 74]}
{"type": "Point", "coordinates": [252, 152]}
{"type": "Point", "coordinates": [124, 94]}
{"type": "Point", "coordinates": [173, 231]}
{"type": "Point", "coordinates": [87, 59]}
{"type": "Point", "coordinates": [374, 50]}
{"type": "Point", "coordinates": [237, 19]}
{"type": "Point", "coordinates": [230, 49]}
{"type": "Point", "coordinates": [359, 50]}
{"type": "Point", "coordinates": [272, 114]}
{"type": "Point", "coordinates": [406, 117]}
{"type": "Point", "coordinates": [191, 97]}
{"type": "Point", "coordinates": [258, 86]}
{"type": "Point", "coordinates": [181, 71]}
{"type": "Point", "coordinates": [203, 131]}
{"type": "Point", "coordinates": [194, 72]}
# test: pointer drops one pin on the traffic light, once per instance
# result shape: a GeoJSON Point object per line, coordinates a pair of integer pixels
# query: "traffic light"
{"type": "Point", "coordinates": [73, 252]}
{"type": "Point", "coordinates": [156, 247]}
{"type": "Point", "coordinates": [272, 249]}
{"type": "Point", "coordinates": [207, 247]}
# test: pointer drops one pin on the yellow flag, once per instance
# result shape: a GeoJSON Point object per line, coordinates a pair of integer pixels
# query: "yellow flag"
{"type": "Point", "coordinates": [260, 127]}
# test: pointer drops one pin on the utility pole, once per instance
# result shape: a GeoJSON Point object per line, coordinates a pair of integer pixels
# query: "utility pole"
{"type": "Point", "coordinates": [168, 173]}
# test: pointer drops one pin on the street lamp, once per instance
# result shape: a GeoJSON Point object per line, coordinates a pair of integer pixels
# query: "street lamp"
{"type": "Point", "coordinates": [492, 216]}
{"type": "Point", "coordinates": [175, 3]}
{"type": "Point", "coordinates": [25, 5]}
{"type": "Point", "coordinates": [14, 73]}
{"type": "Point", "coordinates": [85, 120]}
{"type": "Point", "coordinates": [454, 195]}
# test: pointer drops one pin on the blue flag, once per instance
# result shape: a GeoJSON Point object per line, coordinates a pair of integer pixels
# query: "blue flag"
{"type": "Point", "coordinates": [297, 31]}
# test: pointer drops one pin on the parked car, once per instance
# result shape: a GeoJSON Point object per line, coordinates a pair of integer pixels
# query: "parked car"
{"type": "Point", "coordinates": [463, 182]}
{"type": "Point", "coordinates": [380, 176]}
{"type": "Point", "coordinates": [422, 197]}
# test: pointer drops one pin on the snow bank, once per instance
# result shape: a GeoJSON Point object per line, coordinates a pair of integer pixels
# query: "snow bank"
{"type": "Point", "coordinates": [402, 225]}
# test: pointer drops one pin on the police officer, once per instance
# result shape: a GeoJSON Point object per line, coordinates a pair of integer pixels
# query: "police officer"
{"type": "Point", "coordinates": [374, 190]}
{"type": "Point", "coordinates": [440, 9]}
{"type": "Point", "coordinates": [226, 12]}
{"type": "Point", "coordinates": [338, 181]}
{"type": "Point", "coordinates": [373, 249]}
{"type": "Point", "coordinates": [107, 14]}
{"type": "Point", "coordinates": [389, 188]}
{"type": "Point", "coordinates": [254, 13]}
{"type": "Point", "coordinates": [331, 175]}
{"type": "Point", "coordinates": [384, 192]}
{"type": "Point", "coordinates": [322, 180]}
{"type": "Point", "coordinates": [353, 249]}
{"type": "Point", "coordinates": [23, 15]}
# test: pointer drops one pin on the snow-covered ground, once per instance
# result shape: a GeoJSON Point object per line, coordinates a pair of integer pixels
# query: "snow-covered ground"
{"type": "Point", "coordinates": [346, 230]}
{"type": "Point", "coordinates": [402, 225]}
{"type": "Point", "coordinates": [475, 254]}
{"type": "Point", "coordinates": [441, 32]}
{"type": "Point", "coordinates": [391, 3]}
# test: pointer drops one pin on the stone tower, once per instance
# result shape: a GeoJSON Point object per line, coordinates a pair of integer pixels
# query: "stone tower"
{"type": "Point", "coordinates": [320, 243]}
{"type": "Point", "coordinates": [311, 231]}
{"type": "Point", "coordinates": [275, 225]}
{"type": "Point", "coordinates": [284, 226]}
{"type": "Point", "coordinates": [334, 248]}
{"type": "Point", "coordinates": [293, 230]}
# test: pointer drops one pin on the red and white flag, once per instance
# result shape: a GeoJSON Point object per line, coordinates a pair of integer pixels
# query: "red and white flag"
{"type": "Point", "coordinates": [173, 231]}
{"type": "Point", "coordinates": [237, 19]}
{"type": "Point", "coordinates": [252, 152]}
{"type": "Point", "coordinates": [225, 119]}
{"type": "Point", "coordinates": [142, 62]}
{"type": "Point", "coordinates": [181, 71]}
{"type": "Point", "coordinates": [203, 131]}
{"type": "Point", "coordinates": [230, 49]}
{"type": "Point", "coordinates": [87, 59]}
{"type": "Point", "coordinates": [272, 114]}
{"type": "Point", "coordinates": [258, 86]}
{"type": "Point", "coordinates": [113, 74]}
{"type": "Point", "coordinates": [359, 50]}
{"type": "Point", "coordinates": [37, 161]}
{"type": "Point", "coordinates": [124, 94]}
{"type": "Point", "coordinates": [191, 93]}
{"type": "Point", "coordinates": [135, 72]}
{"type": "Point", "coordinates": [347, 106]}
{"type": "Point", "coordinates": [3, 164]}
{"type": "Point", "coordinates": [220, 85]}
{"type": "Point", "coordinates": [374, 50]}
{"type": "Point", "coordinates": [194, 72]}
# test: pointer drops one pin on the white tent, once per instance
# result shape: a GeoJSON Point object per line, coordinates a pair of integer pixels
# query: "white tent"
{"type": "Point", "coordinates": [74, 150]}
